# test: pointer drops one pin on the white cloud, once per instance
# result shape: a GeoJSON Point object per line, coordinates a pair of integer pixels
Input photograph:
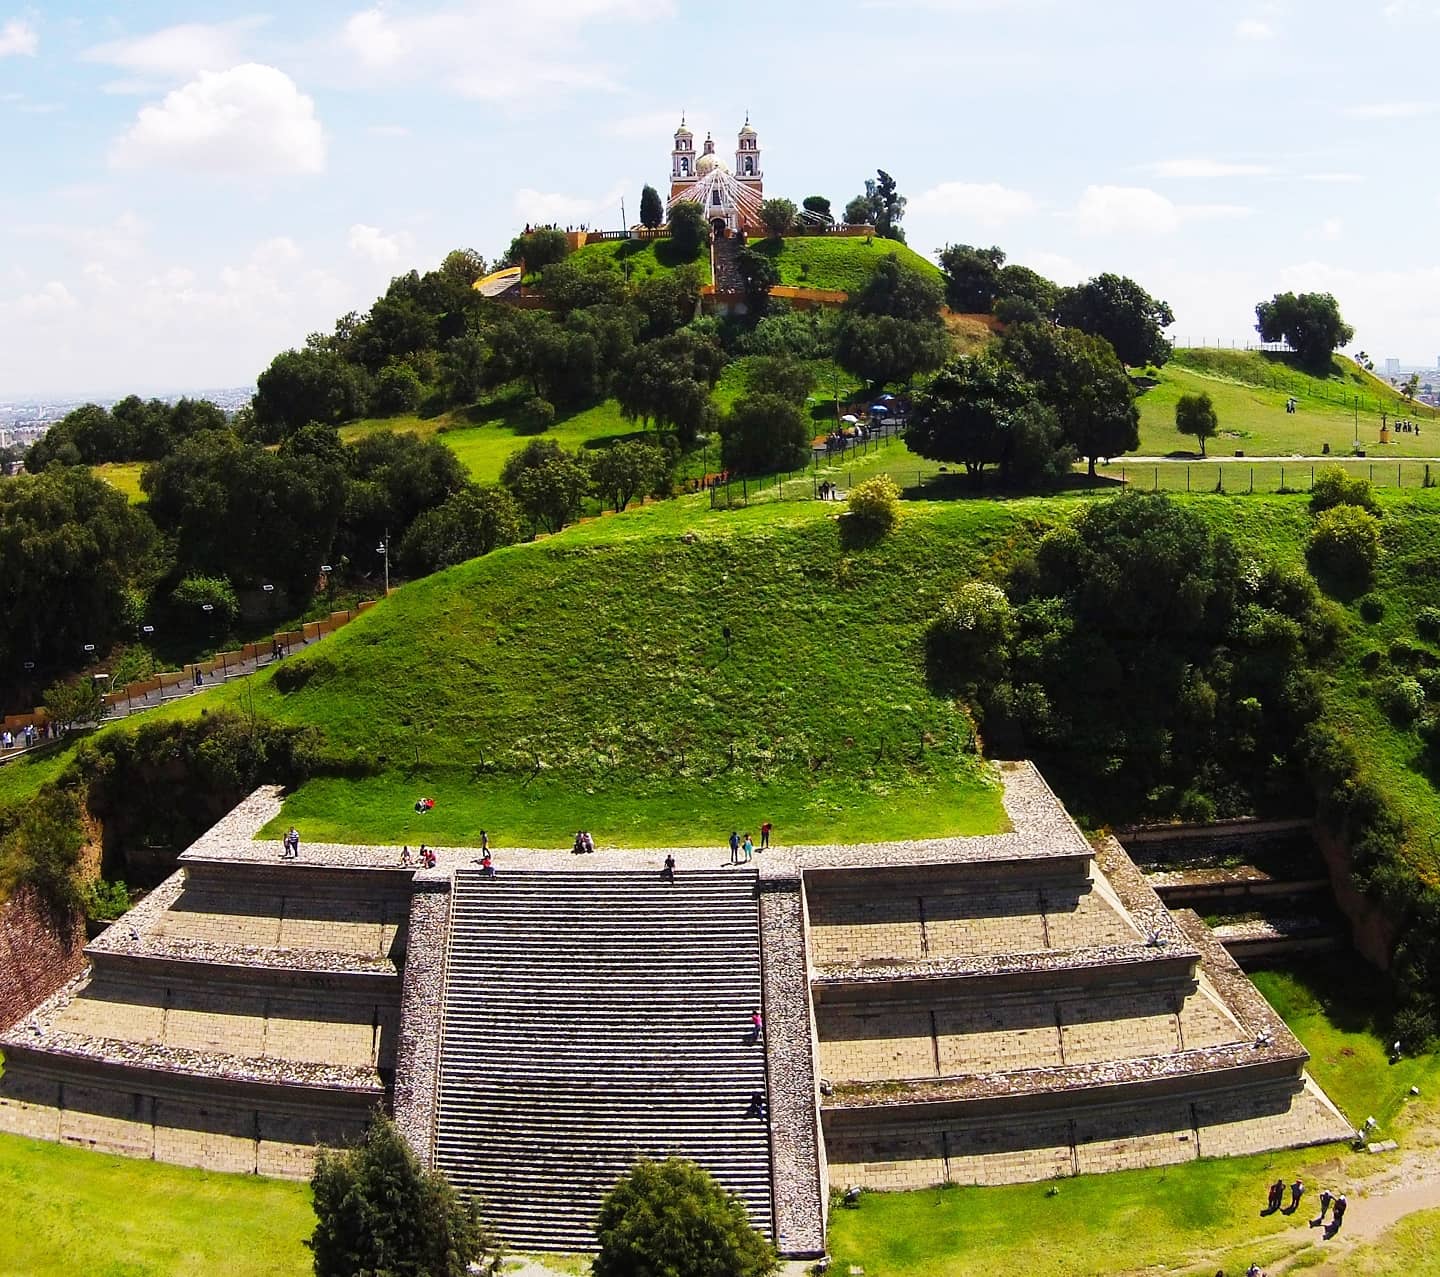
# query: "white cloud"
{"type": "Point", "coordinates": [51, 300]}
{"type": "Point", "coordinates": [1330, 229]}
{"type": "Point", "coordinates": [1389, 110]}
{"type": "Point", "coordinates": [540, 46]}
{"type": "Point", "coordinates": [1113, 210]}
{"type": "Point", "coordinates": [1337, 178]}
{"type": "Point", "coordinates": [371, 243]}
{"type": "Point", "coordinates": [1254, 29]}
{"type": "Point", "coordinates": [177, 52]}
{"type": "Point", "coordinates": [250, 119]}
{"type": "Point", "coordinates": [548, 207]}
{"type": "Point", "coordinates": [1207, 168]}
{"type": "Point", "coordinates": [388, 130]}
{"type": "Point", "coordinates": [986, 203]}
{"type": "Point", "coordinates": [18, 38]}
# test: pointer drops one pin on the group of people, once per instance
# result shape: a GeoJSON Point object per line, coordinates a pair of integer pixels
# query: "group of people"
{"type": "Point", "coordinates": [583, 842]}
{"type": "Point", "coordinates": [25, 740]}
{"type": "Point", "coordinates": [1407, 428]}
{"type": "Point", "coordinates": [742, 851]}
{"type": "Point", "coordinates": [290, 844]}
{"type": "Point", "coordinates": [829, 492]}
{"type": "Point", "coordinates": [1331, 1204]}
{"type": "Point", "coordinates": [425, 857]}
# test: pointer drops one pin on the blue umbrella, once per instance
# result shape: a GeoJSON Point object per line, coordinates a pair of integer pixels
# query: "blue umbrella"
{"type": "Point", "coordinates": [879, 409]}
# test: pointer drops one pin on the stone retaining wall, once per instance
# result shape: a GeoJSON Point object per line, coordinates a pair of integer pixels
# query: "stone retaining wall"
{"type": "Point", "coordinates": [40, 951]}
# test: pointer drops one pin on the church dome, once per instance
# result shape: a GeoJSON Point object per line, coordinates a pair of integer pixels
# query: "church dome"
{"type": "Point", "coordinates": [747, 131]}
{"type": "Point", "coordinates": [707, 162]}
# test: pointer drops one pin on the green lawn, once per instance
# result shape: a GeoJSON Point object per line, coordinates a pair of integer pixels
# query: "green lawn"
{"type": "Point", "coordinates": [1249, 390]}
{"type": "Point", "coordinates": [835, 261]}
{"type": "Point", "coordinates": [484, 436]}
{"type": "Point", "coordinates": [1191, 1218]}
{"type": "Point", "coordinates": [644, 259]}
{"type": "Point", "coordinates": [124, 475]}
{"type": "Point", "coordinates": [70, 1211]}
{"type": "Point", "coordinates": [1410, 1249]}
{"type": "Point", "coordinates": [23, 776]}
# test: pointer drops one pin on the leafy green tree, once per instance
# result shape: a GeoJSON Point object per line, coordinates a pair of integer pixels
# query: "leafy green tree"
{"type": "Point", "coordinates": [1345, 543]}
{"type": "Point", "coordinates": [1309, 322]}
{"type": "Point", "coordinates": [1411, 386]}
{"type": "Point", "coordinates": [881, 206]}
{"type": "Point", "coordinates": [397, 389]}
{"type": "Point", "coordinates": [874, 504]}
{"type": "Point", "coordinates": [818, 205]}
{"type": "Point", "coordinates": [301, 386]}
{"type": "Point", "coordinates": [803, 334]}
{"type": "Point", "coordinates": [899, 290]}
{"type": "Point", "coordinates": [652, 210]}
{"type": "Point", "coordinates": [858, 212]}
{"type": "Point", "coordinates": [627, 470]}
{"type": "Point", "coordinates": [399, 325]}
{"type": "Point", "coordinates": [763, 434]}
{"type": "Point", "coordinates": [977, 412]}
{"type": "Point", "coordinates": [885, 350]}
{"type": "Point", "coordinates": [778, 216]}
{"type": "Point", "coordinates": [760, 275]}
{"type": "Point", "coordinates": [537, 249]}
{"type": "Point", "coordinates": [392, 479]}
{"type": "Point", "coordinates": [1195, 415]}
{"type": "Point", "coordinates": [71, 547]}
{"type": "Point", "coordinates": [548, 483]}
{"type": "Point", "coordinates": [689, 231]}
{"type": "Point", "coordinates": [466, 525]}
{"type": "Point", "coordinates": [1024, 296]}
{"type": "Point", "coordinates": [189, 599]}
{"type": "Point", "coordinates": [582, 281]}
{"type": "Point", "coordinates": [664, 1219]}
{"type": "Point", "coordinates": [379, 1212]}
{"type": "Point", "coordinates": [668, 302]}
{"type": "Point", "coordinates": [781, 375]}
{"type": "Point", "coordinates": [463, 266]}
{"type": "Point", "coordinates": [68, 703]}
{"type": "Point", "coordinates": [463, 368]}
{"type": "Point", "coordinates": [1080, 379]}
{"type": "Point", "coordinates": [1119, 310]}
{"type": "Point", "coordinates": [43, 850]}
{"type": "Point", "coordinates": [968, 642]}
{"type": "Point", "coordinates": [1333, 486]}
{"type": "Point", "coordinates": [667, 382]}
{"type": "Point", "coordinates": [972, 277]}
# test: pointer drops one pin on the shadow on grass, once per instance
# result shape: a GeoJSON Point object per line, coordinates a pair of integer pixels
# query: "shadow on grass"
{"type": "Point", "coordinates": [955, 485]}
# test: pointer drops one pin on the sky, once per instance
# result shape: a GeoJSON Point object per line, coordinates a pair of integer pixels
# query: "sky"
{"type": "Point", "coordinates": [186, 190]}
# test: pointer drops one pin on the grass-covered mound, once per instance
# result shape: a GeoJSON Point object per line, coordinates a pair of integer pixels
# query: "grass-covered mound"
{"type": "Point", "coordinates": [840, 262]}
{"type": "Point", "coordinates": [1249, 389]}
{"type": "Point", "coordinates": [643, 259]}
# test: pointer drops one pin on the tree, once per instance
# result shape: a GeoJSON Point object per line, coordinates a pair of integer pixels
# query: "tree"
{"type": "Point", "coordinates": [972, 277]}
{"type": "Point", "coordinates": [1195, 415]}
{"type": "Point", "coordinates": [379, 1212]}
{"type": "Point", "coordinates": [195, 593]}
{"type": "Point", "coordinates": [1309, 322]}
{"type": "Point", "coordinates": [970, 413]}
{"type": "Point", "coordinates": [469, 523]}
{"type": "Point", "coordinates": [547, 482]}
{"type": "Point", "coordinates": [301, 386]}
{"type": "Point", "coordinates": [760, 275]}
{"type": "Point", "coordinates": [1411, 387]}
{"type": "Point", "coordinates": [883, 349]}
{"type": "Point", "coordinates": [1025, 296]}
{"type": "Point", "coordinates": [668, 302]}
{"type": "Point", "coordinates": [43, 850]}
{"type": "Point", "coordinates": [782, 375]}
{"type": "Point", "coordinates": [1333, 486]}
{"type": "Point", "coordinates": [858, 212]}
{"type": "Point", "coordinates": [663, 1219]}
{"type": "Point", "coordinates": [898, 289]}
{"type": "Point", "coordinates": [819, 206]}
{"type": "Point", "coordinates": [667, 382]}
{"type": "Point", "coordinates": [1081, 380]}
{"type": "Point", "coordinates": [652, 210]}
{"type": "Point", "coordinates": [463, 266]}
{"type": "Point", "coordinates": [874, 504]}
{"type": "Point", "coordinates": [778, 216]}
{"type": "Point", "coordinates": [881, 206]}
{"type": "Point", "coordinates": [69, 703]}
{"type": "Point", "coordinates": [764, 434]}
{"type": "Point", "coordinates": [1119, 310]}
{"type": "Point", "coordinates": [689, 231]}
{"type": "Point", "coordinates": [1346, 543]}
{"type": "Point", "coordinates": [627, 470]}
{"type": "Point", "coordinates": [536, 249]}
{"type": "Point", "coordinates": [397, 389]}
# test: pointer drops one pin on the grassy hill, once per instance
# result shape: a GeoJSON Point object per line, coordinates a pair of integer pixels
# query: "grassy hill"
{"type": "Point", "coordinates": [835, 261]}
{"type": "Point", "coordinates": [644, 259]}
{"type": "Point", "coordinates": [1250, 387]}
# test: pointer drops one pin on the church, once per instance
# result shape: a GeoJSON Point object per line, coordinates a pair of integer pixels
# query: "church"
{"type": "Point", "coordinates": [731, 198]}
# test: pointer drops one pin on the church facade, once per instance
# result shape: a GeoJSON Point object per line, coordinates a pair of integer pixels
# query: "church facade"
{"type": "Point", "coordinates": [731, 198]}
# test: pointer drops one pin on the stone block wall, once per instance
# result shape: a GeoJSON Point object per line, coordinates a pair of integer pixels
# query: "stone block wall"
{"type": "Point", "coordinates": [39, 952]}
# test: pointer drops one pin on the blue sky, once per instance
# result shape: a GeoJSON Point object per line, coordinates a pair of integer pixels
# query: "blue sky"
{"type": "Point", "coordinates": [187, 189]}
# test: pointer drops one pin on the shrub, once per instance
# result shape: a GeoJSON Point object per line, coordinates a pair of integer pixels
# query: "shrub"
{"type": "Point", "coordinates": [104, 901]}
{"type": "Point", "coordinates": [1372, 607]}
{"type": "Point", "coordinates": [875, 504]}
{"type": "Point", "coordinates": [1408, 655]}
{"type": "Point", "coordinates": [968, 641]}
{"type": "Point", "coordinates": [1415, 1028]}
{"type": "Point", "coordinates": [1371, 661]}
{"type": "Point", "coordinates": [1427, 623]}
{"type": "Point", "coordinates": [540, 411]}
{"type": "Point", "coordinates": [196, 592]}
{"type": "Point", "coordinates": [1346, 543]}
{"type": "Point", "coordinates": [397, 389]}
{"type": "Point", "coordinates": [1429, 680]}
{"type": "Point", "coordinates": [1333, 487]}
{"type": "Point", "coordinates": [43, 849]}
{"type": "Point", "coordinates": [1403, 699]}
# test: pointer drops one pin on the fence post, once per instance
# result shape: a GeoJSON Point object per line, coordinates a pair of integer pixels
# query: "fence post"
{"type": "Point", "coordinates": [1282, 478]}
{"type": "Point", "coordinates": [1187, 477]}
{"type": "Point", "coordinates": [1252, 478]}
{"type": "Point", "coordinates": [1157, 478]}
{"type": "Point", "coordinates": [1122, 476]}
{"type": "Point", "coordinates": [1312, 478]}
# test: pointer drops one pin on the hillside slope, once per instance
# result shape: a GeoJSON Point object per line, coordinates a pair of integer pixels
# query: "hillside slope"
{"type": "Point", "coordinates": [641, 259]}
{"type": "Point", "coordinates": [835, 261]}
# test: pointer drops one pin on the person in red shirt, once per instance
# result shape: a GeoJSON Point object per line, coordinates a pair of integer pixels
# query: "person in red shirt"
{"type": "Point", "coordinates": [764, 835]}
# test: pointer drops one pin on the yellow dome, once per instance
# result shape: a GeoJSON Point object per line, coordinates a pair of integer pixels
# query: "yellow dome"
{"type": "Point", "coordinates": [707, 162]}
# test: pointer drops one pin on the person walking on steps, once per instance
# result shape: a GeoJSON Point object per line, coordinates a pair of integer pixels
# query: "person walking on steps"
{"type": "Point", "coordinates": [757, 1027]}
{"type": "Point", "coordinates": [668, 873]}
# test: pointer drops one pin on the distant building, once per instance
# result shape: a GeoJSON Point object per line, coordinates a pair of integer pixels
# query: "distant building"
{"type": "Point", "coordinates": [731, 200]}
{"type": "Point", "coordinates": [1392, 367]}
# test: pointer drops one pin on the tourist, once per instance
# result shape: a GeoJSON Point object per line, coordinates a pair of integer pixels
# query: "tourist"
{"type": "Point", "coordinates": [579, 845]}
{"type": "Point", "coordinates": [668, 873]}
{"type": "Point", "coordinates": [749, 849]}
{"type": "Point", "coordinates": [765, 835]}
{"type": "Point", "coordinates": [484, 841]}
{"type": "Point", "coordinates": [1297, 1191]}
{"type": "Point", "coordinates": [757, 1026]}
{"type": "Point", "coordinates": [589, 842]}
{"type": "Point", "coordinates": [734, 847]}
{"type": "Point", "coordinates": [1340, 1204]}
{"type": "Point", "coordinates": [1277, 1195]}
{"type": "Point", "coordinates": [487, 865]}
{"type": "Point", "coordinates": [405, 857]}
{"type": "Point", "coordinates": [292, 844]}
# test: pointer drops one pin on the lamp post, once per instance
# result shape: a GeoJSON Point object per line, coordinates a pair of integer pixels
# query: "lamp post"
{"type": "Point", "coordinates": [384, 548]}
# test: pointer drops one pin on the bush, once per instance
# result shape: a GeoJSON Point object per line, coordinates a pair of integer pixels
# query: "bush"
{"type": "Point", "coordinates": [540, 411]}
{"type": "Point", "coordinates": [968, 641]}
{"type": "Point", "coordinates": [1333, 487]}
{"type": "Point", "coordinates": [1427, 624]}
{"type": "Point", "coordinates": [1415, 1028]}
{"type": "Point", "coordinates": [397, 389]}
{"type": "Point", "coordinates": [1429, 680]}
{"type": "Point", "coordinates": [104, 901]}
{"type": "Point", "coordinates": [875, 504]}
{"type": "Point", "coordinates": [1372, 607]}
{"type": "Point", "coordinates": [1408, 655]}
{"type": "Point", "coordinates": [195, 593]}
{"type": "Point", "coordinates": [1346, 543]}
{"type": "Point", "coordinates": [1403, 699]}
{"type": "Point", "coordinates": [43, 849]}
